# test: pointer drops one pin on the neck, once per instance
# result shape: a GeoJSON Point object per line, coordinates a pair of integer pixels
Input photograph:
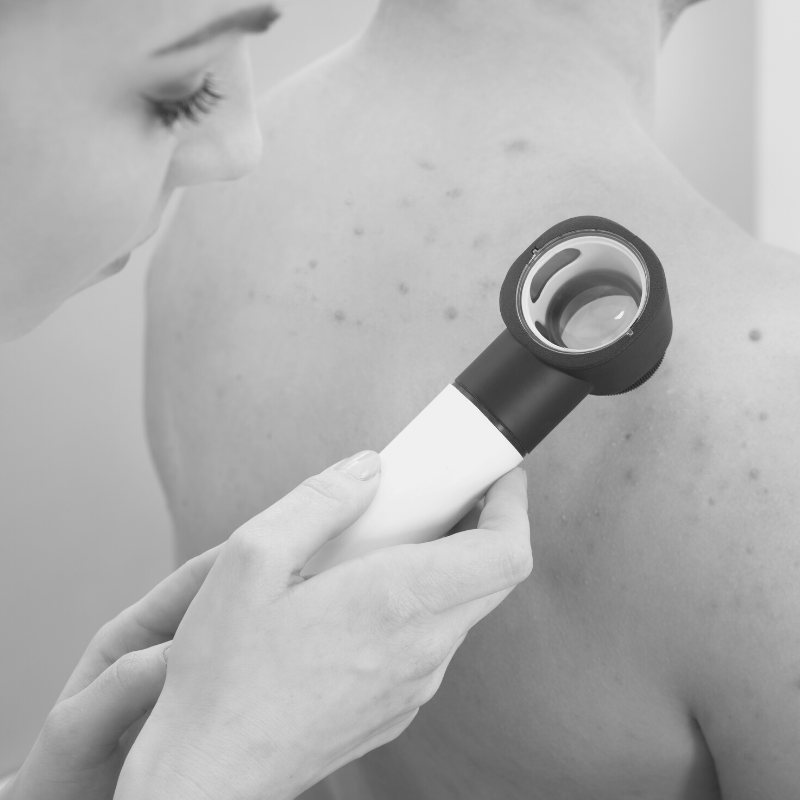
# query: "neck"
{"type": "Point", "coordinates": [598, 58]}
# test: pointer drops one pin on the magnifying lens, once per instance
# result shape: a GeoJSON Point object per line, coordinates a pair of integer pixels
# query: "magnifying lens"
{"type": "Point", "coordinates": [586, 311]}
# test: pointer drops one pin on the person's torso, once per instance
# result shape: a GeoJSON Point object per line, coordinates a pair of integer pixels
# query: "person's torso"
{"type": "Point", "coordinates": [340, 296]}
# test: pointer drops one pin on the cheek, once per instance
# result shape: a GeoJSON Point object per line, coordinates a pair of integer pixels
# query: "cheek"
{"type": "Point", "coordinates": [85, 191]}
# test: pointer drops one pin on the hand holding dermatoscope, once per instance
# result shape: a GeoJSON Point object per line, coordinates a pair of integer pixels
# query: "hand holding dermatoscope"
{"type": "Point", "coordinates": [586, 312]}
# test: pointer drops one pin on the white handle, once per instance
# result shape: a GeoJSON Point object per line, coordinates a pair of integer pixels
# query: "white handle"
{"type": "Point", "coordinates": [432, 474]}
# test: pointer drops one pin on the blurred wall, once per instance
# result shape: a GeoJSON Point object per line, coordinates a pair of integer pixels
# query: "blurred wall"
{"type": "Point", "coordinates": [83, 526]}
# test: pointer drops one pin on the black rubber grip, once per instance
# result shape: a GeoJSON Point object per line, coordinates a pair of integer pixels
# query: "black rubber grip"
{"type": "Point", "coordinates": [521, 395]}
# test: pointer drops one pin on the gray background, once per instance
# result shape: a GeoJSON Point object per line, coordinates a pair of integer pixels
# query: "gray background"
{"type": "Point", "coordinates": [83, 524]}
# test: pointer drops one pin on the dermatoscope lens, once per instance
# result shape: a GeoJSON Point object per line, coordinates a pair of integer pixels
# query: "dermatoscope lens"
{"type": "Point", "coordinates": [592, 310]}
{"type": "Point", "coordinates": [584, 293]}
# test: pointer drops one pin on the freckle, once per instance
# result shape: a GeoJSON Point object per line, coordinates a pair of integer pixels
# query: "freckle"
{"type": "Point", "coordinates": [431, 236]}
{"type": "Point", "coordinates": [480, 242]}
{"type": "Point", "coordinates": [630, 476]}
{"type": "Point", "coordinates": [251, 294]}
{"type": "Point", "coordinates": [517, 147]}
{"type": "Point", "coordinates": [755, 335]}
{"type": "Point", "coordinates": [628, 437]}
{"type": "Point", "coordinates": [712, 501]}
{"type": "Point", "coordinates": [454, 194]}
{"type": "Point", "coordinates": [597, 513]}
{"type": "Point", "coordinates": [403, 288]}
{"type": "Point", "coordinates": [429, 166]}
{"type": "Point", "coordinates": [451, 312]}
{"type": "Point", "coordinates": [749, 550]}
{"type": "Point", "coordinates": [754, 474]}
{"type": "Point", "coordinates": [358, 230]}
{"type": "Point", "coordinates": [312, 264]}
{"type": "Point", "coordinates": [406, 202]}
{"type": "Point", "coordinates": [359, 323]}
{"type": "Point", "coordinates": [763, 416]}
{"type": "Point", "coordinates": [269, 436]}
{"type": "Point", "coordinates": [239, 376]}
{"type": "Point", "coordinates": [698, 443]}
{"type": "Point", "coordinates": [340, 316]}
{"type": "Point", "coordinates": [348, 201]}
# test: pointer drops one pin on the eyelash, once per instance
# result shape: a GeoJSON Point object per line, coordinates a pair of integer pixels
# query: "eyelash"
{"type": "Point", "coordinates": [189, 109]}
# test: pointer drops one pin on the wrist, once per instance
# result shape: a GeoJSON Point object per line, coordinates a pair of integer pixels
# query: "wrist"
{"type": "Point", "coordinates": [166, 767]}
{"type": "Point", "coordinates": [161, 773]}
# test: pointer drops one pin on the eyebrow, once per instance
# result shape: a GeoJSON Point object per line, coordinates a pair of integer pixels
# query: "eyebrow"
{"type": "Point", "coordinates": [249, 20]}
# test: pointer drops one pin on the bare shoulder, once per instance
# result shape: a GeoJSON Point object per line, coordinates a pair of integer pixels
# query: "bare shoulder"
{"type": "Point", "coordinates": [731, 517]}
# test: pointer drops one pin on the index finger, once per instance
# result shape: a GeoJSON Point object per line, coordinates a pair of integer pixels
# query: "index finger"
{"type": "Point", "coordinates": [477, 563]}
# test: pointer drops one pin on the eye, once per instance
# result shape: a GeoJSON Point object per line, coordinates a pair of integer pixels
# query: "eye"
{"type": "Point", "coordinates": [188, 109]}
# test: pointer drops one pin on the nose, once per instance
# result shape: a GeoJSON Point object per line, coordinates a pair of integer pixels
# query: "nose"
{"type": "Point", "coordinates": [228, 144]}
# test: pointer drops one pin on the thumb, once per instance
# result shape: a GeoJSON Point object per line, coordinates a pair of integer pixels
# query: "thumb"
{"type": "Point", "coordinates": [295, 527]}
{"type": "Point", "coordinates": [117, 698]}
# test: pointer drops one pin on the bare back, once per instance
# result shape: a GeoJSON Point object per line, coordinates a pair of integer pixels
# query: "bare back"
{"type": "Point", "coordinates": [314, 309]}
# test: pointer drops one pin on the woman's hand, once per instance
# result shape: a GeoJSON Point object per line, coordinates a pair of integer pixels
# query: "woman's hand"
{"type": "Point", "coordinates": [81, 749]}
{"type": "Point", "coordinates": [274, 682]}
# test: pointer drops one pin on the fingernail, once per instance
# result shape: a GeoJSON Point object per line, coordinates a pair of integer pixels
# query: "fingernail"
{"type": "Point", "coordinates": [363, 465]}
{"type": "Point", "coordinates": [165, 655]}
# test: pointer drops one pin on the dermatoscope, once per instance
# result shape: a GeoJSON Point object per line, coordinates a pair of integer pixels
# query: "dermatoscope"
{"type": "Point", "coordinates": [586, 311]}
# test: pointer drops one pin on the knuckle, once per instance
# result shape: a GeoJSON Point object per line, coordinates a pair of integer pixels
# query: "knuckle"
{"type": "Point", "coordinates": [57, 728]}
{"type": "Point", "coordinates": [249, 542]}
{"type": "Point", "coordinates": [321, 491]}
{"type": "Point", "coordinates": [125, 672]}
{"type": "Point", "coordinates": [397, 608]}
{"type": "Point", "coordinates": [429, 689]}
{"type": "Point", "coordinates": [517, 564]}
{"type": "Point", "coordinates": [427, 657]}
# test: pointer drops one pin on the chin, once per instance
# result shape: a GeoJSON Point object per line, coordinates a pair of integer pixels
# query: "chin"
{"type": "Point", "coordinates": [106, 272]}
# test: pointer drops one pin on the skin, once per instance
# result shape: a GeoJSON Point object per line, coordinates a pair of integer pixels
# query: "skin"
{"type": "Point", "coordinates": [92, 149]}
{"type": "Point", "coordinates": [654, 654]}
{"type": "Point", "coordinates": [103, 180]}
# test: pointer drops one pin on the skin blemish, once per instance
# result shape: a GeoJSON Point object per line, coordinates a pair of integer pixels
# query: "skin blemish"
{"type": "Point", "coordinates": [712, 501]}
{"type": "Point", "coordinates": [763, 416]}
{"type": "Point", "coordinates": [698, 444]}
{"type": "Point", "coordinates": [454, 194]}
{"type": "Point", "coordinates": [431, 236]}
{"type": "Point", "coordinates": [313, 264]}
{"type": "Point", "coordinates": [749, 550]}
{"type": "Point", "coordinates": [517, 147]}
{"type": "Point", "coordinates": [406, 202]}
{"type": "Point", "coordinates": [403, 288]}
{"type": "Point", "coordinates": [451, 313]}
{"type": "Point", "coordinates": [755, 335]}
{"type": "Point", "coordinates": [754, 474]}
{"type": "Point", "coordinates": [630, 476]}
{"type": "Point", "coordinates": [628, 437]}
{"type": "Point", "coordinates": [359, 323]}
{"type": "Point", "coordinates": [428, 166]}
{"type": "Point", "coordinates": [358, 230]}
{"type": "Point", "coordinates": [339, 316]}
{"type": "Point", "coordinates": [251, 294]}
{"type": "Point", "coordinates": [479, 242]}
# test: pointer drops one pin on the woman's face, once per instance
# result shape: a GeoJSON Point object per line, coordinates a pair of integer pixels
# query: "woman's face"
{"type": "Point", "coordinates": [106, 107]}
